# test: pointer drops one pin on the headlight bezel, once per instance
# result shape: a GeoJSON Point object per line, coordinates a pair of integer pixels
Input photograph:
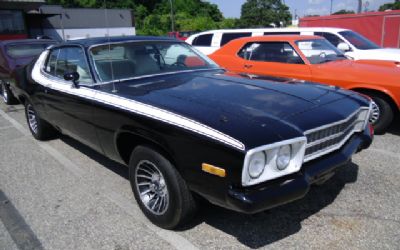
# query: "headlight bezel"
{"type": "Point", "coordinates": [271, 171]}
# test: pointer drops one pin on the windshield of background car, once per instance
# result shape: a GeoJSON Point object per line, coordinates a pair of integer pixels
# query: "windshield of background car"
{"type": "Point", "coordinates": [319, 51]}
{"type": "Point", "coordinates": [358, 40]}
{"type": "Point", "coordinates": [26, 50]}
{"type": "Point", "coordinates": [131, 59]}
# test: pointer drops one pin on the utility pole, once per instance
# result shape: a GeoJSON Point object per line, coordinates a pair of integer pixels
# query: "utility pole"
{"type": "Point", "coordinates": [359, 6]}
{"type": "Point", "coordinates": [331, 6]}
{"type": "Point", "coordinates": [172, 16]}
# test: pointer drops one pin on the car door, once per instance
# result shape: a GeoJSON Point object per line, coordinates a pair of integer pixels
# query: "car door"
{"type": "Point", "coordinates": [273, 58]}
{"type": "Point", "coordinates": [70, 107]}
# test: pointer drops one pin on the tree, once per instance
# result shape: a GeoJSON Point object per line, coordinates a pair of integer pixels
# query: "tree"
{"type": "Point", "coordinates": [264, 13]}
{"type": "Point", "coordinates": [390, 6]}
{"type": "Point", "coordinates": [152, 17]}
{"type": "Point", "coordinates": [343, 11]}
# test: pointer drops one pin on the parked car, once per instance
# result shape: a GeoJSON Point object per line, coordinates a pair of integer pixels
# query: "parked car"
{"type": "Point", "coordinates": [185, 126]}
{"type": "Point", "coordinates": [13, 54]}
{"type": "Point", "coordinates": [315, 59]}
{"type": "Point", "coordinates": [181, 35]}
{"type": "Point", "coordinates": [351, 43]}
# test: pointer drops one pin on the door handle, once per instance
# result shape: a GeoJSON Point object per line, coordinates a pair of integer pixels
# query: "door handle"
{"type": "Point", "coordinates": [247, 66]}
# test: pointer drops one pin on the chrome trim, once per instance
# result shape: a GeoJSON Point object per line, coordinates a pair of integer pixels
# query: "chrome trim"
{"type": "Point", "coordinates": [331, 136]}
{"type": "Point", "coordinates": [342, 142]}
{"type": "Point", "coordinates": [300, 154]}
{"type": "Point", "coordinates": [334, 123]}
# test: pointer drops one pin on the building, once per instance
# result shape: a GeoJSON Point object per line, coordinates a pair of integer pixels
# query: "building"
{"type": "Point", "coordinates": [32, 18]}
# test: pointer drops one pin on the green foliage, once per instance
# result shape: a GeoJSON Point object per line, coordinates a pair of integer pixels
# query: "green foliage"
{"type": "Point", "coordinates": [341, 12]}
{"type": "Point", "coordinates": [153, 17]}
{"type": "Point", "coordinates": [264, 13]}
{"type": "Point", "coordinates": [390, 6]}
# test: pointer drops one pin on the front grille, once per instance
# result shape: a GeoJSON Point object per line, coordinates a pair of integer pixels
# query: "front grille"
{"type": "Point", "coordinates": [329, 137]}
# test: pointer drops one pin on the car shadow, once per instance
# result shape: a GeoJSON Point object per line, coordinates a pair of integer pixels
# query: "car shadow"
{"type": "Point", "coordinates": [394, 129]}
{"type": "Point", "coordinates": [257, 230]}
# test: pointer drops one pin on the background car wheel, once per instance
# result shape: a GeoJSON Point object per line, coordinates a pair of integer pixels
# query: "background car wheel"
{"type": "Point", "coordinates": [159, 189]}
{"type": "Point", "coordinates": [382, 114]}
{"type": "Point", "coordinates": [6, 94]}
{"type": "Point", "coordinates": [39, 128]}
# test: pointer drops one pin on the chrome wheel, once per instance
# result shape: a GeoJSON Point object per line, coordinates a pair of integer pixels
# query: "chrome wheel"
{"type": "Point", "coordinates": [32, 119]}
{"type": "Point", "coordinates": [151, 186]}
{"type": "Point", "coordinates": [375, 113]}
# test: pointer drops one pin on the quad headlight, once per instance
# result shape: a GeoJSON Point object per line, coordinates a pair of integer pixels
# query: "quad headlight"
{"type": "Point", "coordinates": [257, 164]}
{"type": "Point", "coordinates": [284, 156]}
{"type": "Point", "coordinates": [272, 161]}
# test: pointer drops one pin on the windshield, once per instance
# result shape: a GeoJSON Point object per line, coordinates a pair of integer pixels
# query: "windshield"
{"type": "Point", "coordinates": [26, 50]}
{"type": "Point", "coordinates": [132, 59]}
{"type": "Point", "coordinates": [319, 51]}
{"type": "Point", "coordinates": [358, 40]}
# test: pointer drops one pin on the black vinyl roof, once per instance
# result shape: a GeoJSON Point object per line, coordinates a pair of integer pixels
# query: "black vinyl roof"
{"type": "Point", "coordinates": [104, 40]}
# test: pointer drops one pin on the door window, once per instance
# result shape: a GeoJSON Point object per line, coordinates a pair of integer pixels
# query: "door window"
{"type": "Point", "coordinates": [332, 38]}
{"type": "Point", "coordinates": [227, 37]}
{"type": "Point", "coordinates": [281, 52]}
{"type": "Point", "coordinates": [67, 60]}
{"type": "Point", "coordinates": [203, 40]}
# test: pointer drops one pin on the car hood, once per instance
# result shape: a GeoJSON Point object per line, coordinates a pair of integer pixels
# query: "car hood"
{"type": "Point", "coordinates": [363, 71]}
{"type": "Point", "coordinates": [380, 54]}
{"type": "Point", "coordinates": [239, 106]}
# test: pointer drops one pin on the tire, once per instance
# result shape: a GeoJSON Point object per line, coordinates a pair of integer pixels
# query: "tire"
{"type": "Point", "coordinates": [382, 114]}
{"type": "Point", "coordinates": [6, 94]}
{"type": "Point", "coordinates": [171, 203]}
{"type": "Point", "coordinates": [40, 129]}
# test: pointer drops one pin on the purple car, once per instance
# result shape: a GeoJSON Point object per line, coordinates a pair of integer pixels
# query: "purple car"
{"type": "Point", "coordinates": [14, 54]}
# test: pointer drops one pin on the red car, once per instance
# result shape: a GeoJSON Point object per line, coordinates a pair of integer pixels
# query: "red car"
{"type": "Point", "coordinates": [17, 53]}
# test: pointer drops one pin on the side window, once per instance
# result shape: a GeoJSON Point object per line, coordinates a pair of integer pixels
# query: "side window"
{"type": "Point", "coordinates": [332, 38]}
{"type": "Point", "coordinates": [203, 40]}
{"type": "Point", "coordinates": [227, 37]}
{"type": "Point", "coordinates": [51, 62]}
{"type": "Point", "coordinates": [69, 59]}
{"type": "Point", "coordinates": [281, 52]}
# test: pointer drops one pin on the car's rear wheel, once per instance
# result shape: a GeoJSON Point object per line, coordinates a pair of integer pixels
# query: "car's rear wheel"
{"type": "Point", "coordinates": [39, 128]}
{"type": "Point", "coordinates": [159, 189]}
{"type": "Point", "coordinates": [6, 94]}
{"type": "Point", "coordinates": [382, 114]}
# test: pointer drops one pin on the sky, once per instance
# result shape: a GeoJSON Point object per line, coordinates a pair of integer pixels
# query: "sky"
{"type": "Point", "coordinates": [231, 8]}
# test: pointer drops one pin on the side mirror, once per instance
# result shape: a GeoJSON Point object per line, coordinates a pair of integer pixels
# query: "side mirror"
{"type": "Point", "coordinates": [343, 47]}
{"type": "Point", "coordinates": [72, 76]}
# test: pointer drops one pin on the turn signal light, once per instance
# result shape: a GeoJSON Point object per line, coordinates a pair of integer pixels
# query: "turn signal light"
{"type": "Point", "coordinates": [208, 168]}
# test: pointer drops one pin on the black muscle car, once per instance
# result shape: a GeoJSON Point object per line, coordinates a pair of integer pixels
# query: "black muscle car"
{"type": "Point", "coordinates": [184, 126]}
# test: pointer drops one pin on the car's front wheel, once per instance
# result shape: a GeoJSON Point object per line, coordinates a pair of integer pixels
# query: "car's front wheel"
{"type": "Point", "coordinates": [39, 128]}
{"type": "Point", "coordinates": [159, 189]}
{"type": "Point", "coordinates": [6, 94]}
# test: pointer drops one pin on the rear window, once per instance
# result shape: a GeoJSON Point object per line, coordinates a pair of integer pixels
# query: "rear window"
{"type": "Point", "coordinates": [26, 50]}
{"type": "Point", "coordinates": [227, 37]}
{"type": "Point", "coordinates": [203, 40]}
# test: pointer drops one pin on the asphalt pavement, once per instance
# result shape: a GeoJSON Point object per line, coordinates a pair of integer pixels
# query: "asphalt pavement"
{"type": "Point", "coordinates": [61, 194]}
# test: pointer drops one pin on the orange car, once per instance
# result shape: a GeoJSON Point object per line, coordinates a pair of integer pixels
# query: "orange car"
{"type": "Point", "coordinates": [314, 59]}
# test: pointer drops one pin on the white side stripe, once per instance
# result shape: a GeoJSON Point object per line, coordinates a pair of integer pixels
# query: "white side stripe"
{"type": "Point", "coordinates": [132, 105]}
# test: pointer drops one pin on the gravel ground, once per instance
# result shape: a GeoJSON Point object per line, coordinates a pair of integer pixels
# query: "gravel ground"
{"type": "Point", "coordinates": [62, 195]}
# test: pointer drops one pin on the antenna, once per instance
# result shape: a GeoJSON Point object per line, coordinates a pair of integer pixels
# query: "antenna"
{"type": "Point", "coordinates": [109, 47]}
